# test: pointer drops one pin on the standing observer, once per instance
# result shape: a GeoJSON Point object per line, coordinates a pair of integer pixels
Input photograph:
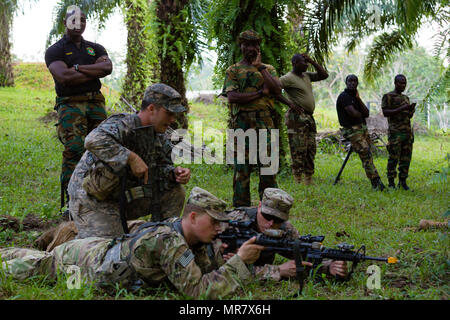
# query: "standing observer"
{"type": "Point", "coordinates": [76, 66]}
{"type": "Point", "coordinates": [299, 120]}
{"type": "Point", "coordinates": [250, 87]}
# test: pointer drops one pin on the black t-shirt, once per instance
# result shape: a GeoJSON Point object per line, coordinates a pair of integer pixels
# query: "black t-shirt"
{"type": "Point", "coordinates": [67, 51]}
{"type": "Point", "coordinates": [347, 98]}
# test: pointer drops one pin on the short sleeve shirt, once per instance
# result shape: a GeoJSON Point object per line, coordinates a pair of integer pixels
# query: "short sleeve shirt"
{"type": "Point", "coordinates": [244, 79]}
{"type": "Point", "coordinates": [66, 51]}
{"type": "Point", "coordinates": [345, 99]}
{"type": "Point", "coordinates": [401, 121]}
{"type": "Point", "coordinates": [299, 89]}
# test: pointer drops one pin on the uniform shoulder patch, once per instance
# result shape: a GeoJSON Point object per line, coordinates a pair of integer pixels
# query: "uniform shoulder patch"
{"type": "Point", "coordinates": [186, 258]}
{"type": "Point", "coordinates": [90, 51]}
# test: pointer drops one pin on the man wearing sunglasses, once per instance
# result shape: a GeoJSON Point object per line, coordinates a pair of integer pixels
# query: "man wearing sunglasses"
{"type": "Point", "coordinates": [273, 213]}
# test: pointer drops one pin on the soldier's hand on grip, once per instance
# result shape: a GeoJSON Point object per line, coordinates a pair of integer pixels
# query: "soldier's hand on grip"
{"type": "Point", "coordinates": [249, 252]}
{"type": "Point", "coordinates": [138, 166]}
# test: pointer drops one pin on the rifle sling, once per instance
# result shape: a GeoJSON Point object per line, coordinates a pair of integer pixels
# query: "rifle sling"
{"type": "Point", "coordinates": [299, 269]}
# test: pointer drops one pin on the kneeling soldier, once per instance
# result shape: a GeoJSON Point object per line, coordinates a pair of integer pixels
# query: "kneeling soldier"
{"type": "Point", "coordinates": [127, 171]}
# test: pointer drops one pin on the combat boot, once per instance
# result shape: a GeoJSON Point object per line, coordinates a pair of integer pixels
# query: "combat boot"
{"type": "Point", "coordinates": [402, 184]}
{"type": "Point", "coordinates": [391, 183]}
{"type": "Point", "coordinates": [377, 184]}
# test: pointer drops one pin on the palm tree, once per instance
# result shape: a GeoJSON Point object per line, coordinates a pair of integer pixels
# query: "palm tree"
{"type": "Point", "coordinates": [397, 24]}
{"type": "Point", "coordinates": [7, 10]}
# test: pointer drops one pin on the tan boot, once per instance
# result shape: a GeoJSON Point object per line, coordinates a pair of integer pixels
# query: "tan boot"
{"type": "Point", "coordinates": [308, 180]}
{"type": "Point", "coordinates": [429, 224]}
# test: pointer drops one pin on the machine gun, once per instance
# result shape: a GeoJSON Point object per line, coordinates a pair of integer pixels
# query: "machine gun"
{"type": "Point", "coordinates": [305, 248]}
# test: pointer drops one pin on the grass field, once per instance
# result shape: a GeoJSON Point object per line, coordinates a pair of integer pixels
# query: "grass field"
{"type": "Point", "coordinates": [386, 222]}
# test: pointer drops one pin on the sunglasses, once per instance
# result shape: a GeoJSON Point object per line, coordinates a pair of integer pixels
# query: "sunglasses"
{"type": "Point", "coordinates": [269, 217]}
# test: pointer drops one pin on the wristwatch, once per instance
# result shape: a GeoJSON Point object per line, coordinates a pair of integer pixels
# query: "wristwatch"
{"type": "Point", "coordinates": [76, 67]}
{"type": "Point", "coordinates": [261, 68]}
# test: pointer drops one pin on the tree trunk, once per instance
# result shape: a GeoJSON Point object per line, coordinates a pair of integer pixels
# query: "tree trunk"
{"type": "Point", "coordinates": [6, 72]}
{"type": "Point", "coordinates": [138, 64]}
{"type": "Point", "coordinates": [171, 59]}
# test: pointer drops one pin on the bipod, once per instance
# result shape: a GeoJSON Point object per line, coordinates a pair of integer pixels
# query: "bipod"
{"type": "Point", "coordinates": [343, 165]}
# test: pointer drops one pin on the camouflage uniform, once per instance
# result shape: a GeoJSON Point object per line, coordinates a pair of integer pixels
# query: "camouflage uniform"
{"type": "Point", "coordinates": [156, 253]}
{"type": "Point", "coordinates": [275, 202]}
{"type": "Point", "coordinates": [77, 116]}
{"type": "Point", "coordinates": [358, 135]}
{"type": "Point", "coordinates": [109, 147]}
{"type": "Point", "coordinates": [302, 141]}
{"type": "Point", "coordinates": [400, 136]}
{"type": "Point", "coordinates": [301, 127]}
{"type": "Point", "coordinates": [256, 114]}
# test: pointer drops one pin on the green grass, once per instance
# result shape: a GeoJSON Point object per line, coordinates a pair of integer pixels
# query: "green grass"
{"type": "Point", "coordinates": [30, 159]}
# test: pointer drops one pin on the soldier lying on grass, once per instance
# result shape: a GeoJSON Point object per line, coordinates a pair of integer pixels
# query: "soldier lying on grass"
{"type": "Point", "coordinates": [176, 250]}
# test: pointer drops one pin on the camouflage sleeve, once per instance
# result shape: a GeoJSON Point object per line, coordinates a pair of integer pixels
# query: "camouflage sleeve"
{"type": "Point", "coordinates": [272, 71]}
{"type": "Point", "coordinates": [105, 142]}
{"type": "Point", "coordinates": [230, 83]}
{"type": "Point", "coordinates": [267, 272]}
{"type": "Point", "coordinates": [178, 263]}
{"type": "Point", "coordinates": [385, 102]}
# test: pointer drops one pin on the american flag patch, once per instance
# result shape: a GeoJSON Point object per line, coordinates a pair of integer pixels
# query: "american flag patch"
{"type": "Point", "coordinates": [186, 258]}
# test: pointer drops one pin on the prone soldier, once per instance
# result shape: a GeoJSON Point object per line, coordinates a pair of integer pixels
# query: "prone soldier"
{"type": "Point", "coordinates": [273, 213]}
{"type": "Point", "coordinates": [176, 250]}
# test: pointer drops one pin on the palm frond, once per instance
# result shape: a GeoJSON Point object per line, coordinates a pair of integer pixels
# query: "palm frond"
{"type": "Point", "coordinates": [100, 10]}
{"type": "Point", "coordinates": [382, 51]}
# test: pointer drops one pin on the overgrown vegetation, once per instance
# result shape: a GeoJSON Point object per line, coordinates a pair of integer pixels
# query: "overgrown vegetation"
{"type": "Point", "coordinates": [386, 222]}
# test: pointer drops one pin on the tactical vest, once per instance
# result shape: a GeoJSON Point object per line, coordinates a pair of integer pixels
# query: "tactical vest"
{"type": "Point", "coordinates": [114, 269]}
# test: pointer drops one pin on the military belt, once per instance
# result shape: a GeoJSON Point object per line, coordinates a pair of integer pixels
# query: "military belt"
{"type": "Point", "coordinates": [97, 95]}
{"type": "Point", "coordinates": [138, 192]}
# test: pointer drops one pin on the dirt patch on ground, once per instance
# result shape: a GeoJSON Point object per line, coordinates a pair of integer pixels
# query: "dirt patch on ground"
{"type": "Point", "coordinates": [31, 222]}
{"type": "Point", "coordinates": [51, 116]}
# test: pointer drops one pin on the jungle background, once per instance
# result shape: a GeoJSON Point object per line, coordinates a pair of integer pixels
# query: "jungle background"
{"type": "Point", "coordinates": [188, 45]}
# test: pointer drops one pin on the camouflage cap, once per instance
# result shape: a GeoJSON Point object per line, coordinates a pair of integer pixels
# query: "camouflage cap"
{"type": "Point", "coordinates": [162, 94]}
{"type": "Point", "coordinates": [209, 202]}
{"type": "Point", "coordinates": [249, 35]}
{"type": "Point", "coordinates": [276, 202]}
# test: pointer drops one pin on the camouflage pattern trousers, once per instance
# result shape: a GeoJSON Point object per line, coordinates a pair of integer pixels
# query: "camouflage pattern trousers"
{"type": "Point", "coordinates": [358, 135]}
{"type": "Point", "coordinates": [242, 171]}
{"type": "Point", "coordinates": [85, 255]}
{"type": "Point", "coordinates": [302, 141]}
{"type": "Point", "coordinates": [77, 116]}
{"type": "Point", "coordinates": [400, 147]}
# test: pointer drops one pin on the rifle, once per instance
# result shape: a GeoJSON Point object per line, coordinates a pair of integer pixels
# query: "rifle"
{"type": "Point", "coordinates": [308, 248]}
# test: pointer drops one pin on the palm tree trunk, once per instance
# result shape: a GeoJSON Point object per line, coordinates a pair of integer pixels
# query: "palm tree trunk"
{"type": "Point", "coordinates": [6, 73]}
{"type": "Point", "coordinates": [138, 66]}
{"type": "Point", "coordinates": [172, 70]}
